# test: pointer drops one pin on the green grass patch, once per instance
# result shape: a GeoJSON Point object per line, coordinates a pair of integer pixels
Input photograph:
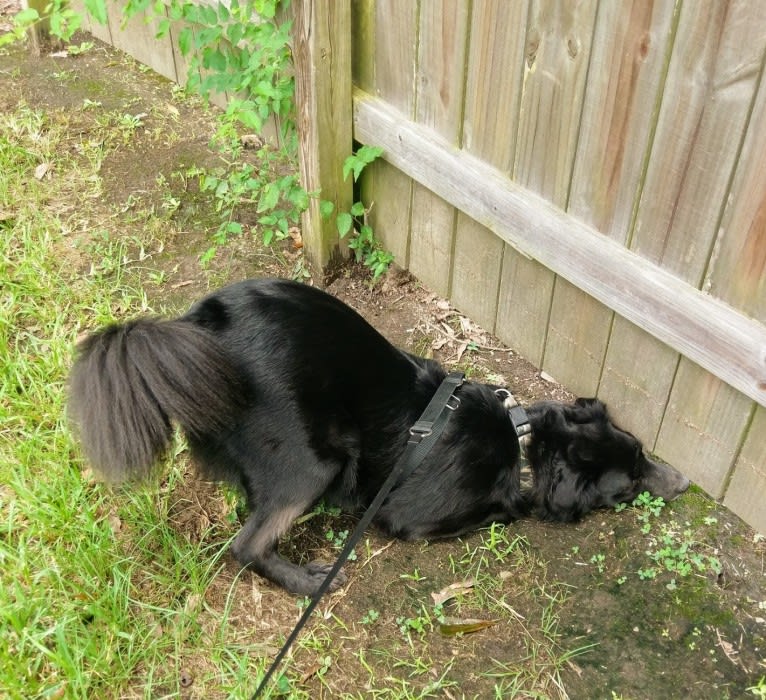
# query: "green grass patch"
{"type": "Point", "coordinates": [82, 614]}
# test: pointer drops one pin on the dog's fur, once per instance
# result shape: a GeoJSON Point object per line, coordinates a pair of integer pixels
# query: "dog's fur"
{"type": "Point", "coordinates": [288, 392]}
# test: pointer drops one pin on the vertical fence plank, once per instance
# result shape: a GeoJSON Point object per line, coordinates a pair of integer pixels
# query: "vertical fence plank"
{"type": "Point", "coordinates": [489, 131]}
{"type": "Point", "coordinates": [478, 259]}
{"type": "Point", "coordinates": [636, 382]}
{"type": "Point", "coordinates": [137, 38]}
{"type": "Point", "coordinates": [710, 88]}
{"type": "Point", "coordinates": [745, 495]}
{"type": "Point", "coordinates": [737, 273]}
{"type": "Point", "coordinates": [703, 427]}
{"type": "Point", "coordinates": [393, 52]}
{"type": "Point", "coordinates": [322, 55]}
{"type": "Point", "coordinates": [363, 44]}
{"type": "Point", "coordinates": [558, 43]}
{"type": "Point", "coordinates": [440, 90]}
{"type": "Point", "coordinates": [630, 46]}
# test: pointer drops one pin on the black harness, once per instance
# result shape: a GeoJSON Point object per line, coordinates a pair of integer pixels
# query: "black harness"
{"type": "Point", "coordinates": [423, 435]}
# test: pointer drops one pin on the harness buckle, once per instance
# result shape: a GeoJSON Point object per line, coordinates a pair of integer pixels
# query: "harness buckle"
{"type": "Point", "coordinates": [453, 400]}
{"type": "Point", "coordinates": [421, 429]}
{"type": "Point", "coordinates": [520, 421]}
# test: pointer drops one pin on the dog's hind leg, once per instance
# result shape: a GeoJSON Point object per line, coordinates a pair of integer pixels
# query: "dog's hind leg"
{"type": "Point", "coordinates": [285, 484]}
{"type": "Point", "coordinates": [256, 548]}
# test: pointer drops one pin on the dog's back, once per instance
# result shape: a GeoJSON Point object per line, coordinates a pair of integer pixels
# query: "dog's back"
{"type": "Point", "coordinates": [322, 362]}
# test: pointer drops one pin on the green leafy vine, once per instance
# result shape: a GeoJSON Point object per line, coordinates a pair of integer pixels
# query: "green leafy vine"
{"type": "Point", "coordinates": [241, 49]}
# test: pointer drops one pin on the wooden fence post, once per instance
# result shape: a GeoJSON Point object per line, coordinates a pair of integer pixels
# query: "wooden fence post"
{"type": "Point", "coordinates": [39, 34]}
{"type": "Point", "coordinates": [322, 56]}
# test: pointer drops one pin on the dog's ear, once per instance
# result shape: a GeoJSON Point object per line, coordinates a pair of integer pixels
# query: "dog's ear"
{"type": "Point", "coordinates": [586, 410]}
{"type": "Point", "coordinates": [590, 403]}
{"type": "Point", "coordinates": [570, 497]}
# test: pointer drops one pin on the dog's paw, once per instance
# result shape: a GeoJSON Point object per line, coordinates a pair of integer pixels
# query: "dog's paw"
{"type": "Point", "coordinates": [319, 570]}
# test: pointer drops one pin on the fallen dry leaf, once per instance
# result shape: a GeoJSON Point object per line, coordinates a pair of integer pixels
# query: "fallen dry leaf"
{"type": "Point", "coordinates": [295, 235]}
{"type": "Point", "coordinates": [450, 628]}
{"type": "Point", "coordinates": [42, 170]}
{"type": "Point", "coordinates": [114, 523]}
{"type": "Point", "coordinates": [454, 589]}
{"type": "Point", "coordinates": [178, 285]}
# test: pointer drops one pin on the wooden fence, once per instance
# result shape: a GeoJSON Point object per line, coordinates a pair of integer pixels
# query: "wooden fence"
{"type": "Point", "coordinates": [583, 178]}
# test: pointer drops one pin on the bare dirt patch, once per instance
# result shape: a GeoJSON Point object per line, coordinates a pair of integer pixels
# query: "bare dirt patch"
{"type": "Point", "coordinates": [554, 590]}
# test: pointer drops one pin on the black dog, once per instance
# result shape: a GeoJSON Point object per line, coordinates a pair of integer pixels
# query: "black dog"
{"type": "Point", "coordinates": [288, 392]}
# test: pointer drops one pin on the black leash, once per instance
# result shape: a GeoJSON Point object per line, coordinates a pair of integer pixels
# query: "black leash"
{"type": "Point", "coordinates": [423, 434]}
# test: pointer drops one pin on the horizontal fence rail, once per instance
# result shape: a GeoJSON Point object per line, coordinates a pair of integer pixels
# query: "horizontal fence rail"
{"type": "Point", "coordinates": [714, 335]}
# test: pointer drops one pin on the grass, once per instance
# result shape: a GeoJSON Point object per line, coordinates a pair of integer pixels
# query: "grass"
{"type": "Point", "coordinates": [80, 615]}
{"type": "Point", "coordinates": [129, 593]}
{"type": "Point", "coordinates": [101, 595]}
{"type": "Point", "coordinates": [68, 620]}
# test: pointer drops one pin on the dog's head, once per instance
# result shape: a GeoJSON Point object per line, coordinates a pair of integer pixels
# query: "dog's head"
{"type": "Point", "coordinates": [581, 460]}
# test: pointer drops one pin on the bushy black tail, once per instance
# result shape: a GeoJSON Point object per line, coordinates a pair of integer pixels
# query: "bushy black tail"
{"type": "Point", "coordinates": [131, 380]}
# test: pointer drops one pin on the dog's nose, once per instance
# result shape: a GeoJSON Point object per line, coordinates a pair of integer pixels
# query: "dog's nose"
{"type": "Point", "coordinates": [681, 486]}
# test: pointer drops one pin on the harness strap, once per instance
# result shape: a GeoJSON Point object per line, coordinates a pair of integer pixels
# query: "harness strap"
{"type": "Point", "coordinates": [423, 434]}
{"type": "Point", "coordinates": [520, 421]}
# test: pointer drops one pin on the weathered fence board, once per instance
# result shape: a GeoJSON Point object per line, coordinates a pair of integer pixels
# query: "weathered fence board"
{"type": "Point", "coordinates": [745, 494]}
{"type": "Point", "coordinates": [490, 125]}
{"type": "Point", "coordinates": [586, 180]}
{"type": "Point", "coordinates": [703, 427]}
{"type": "Point", "coordinates": [322, 55]}
{"type": "Point", "coordinates": [628, 60]}
{"type": "Point", "coordinates": [705, 330]}
{"type": "Point", "coordinates": [439, 105]}
{"type": "Point", "coordinates": [394, 51]}
{"type": "Point", "coordinates": [636, 385]}
{"type": "Point", "coordinates": [478, 259]}
{"type": "Point", "coordinates": [558, 41]}
{"type": "Point", "coordinates": [491, 115]}
{"type": "Point", "coordinates": [737, 270]}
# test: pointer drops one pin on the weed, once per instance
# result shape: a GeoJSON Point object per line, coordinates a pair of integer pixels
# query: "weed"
{"type": "Point", "coordinates": [370, 617]}
{"type": "Point", "coordinates": [419, 624]}
{"type": "Point", "coordinates": [677, 551]}
{"type": "Point", "coordinates": [338, 540]}
{"type": "Point", "coordinates": [599, 561]}
{"type": "Point", "coordinates": [79, 49]}
{"type": "Point", "coordinates": [128, 123]}
{"type": "Point", "coordinates": [648, 574]}
{"type": "Point", "coordinates": [671, 548]}
{"type": "Point", "coordinates": [366, 248]}
{"type": "Point", "coordinates": [759, 689]}
{"type": "Point", "coordinates": [414, 576]}
{"type": "Point", "coordinates": [647, 507]}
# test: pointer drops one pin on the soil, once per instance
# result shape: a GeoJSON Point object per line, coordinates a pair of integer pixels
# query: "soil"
{"type": "Point", "coordinates": [667, 637]}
